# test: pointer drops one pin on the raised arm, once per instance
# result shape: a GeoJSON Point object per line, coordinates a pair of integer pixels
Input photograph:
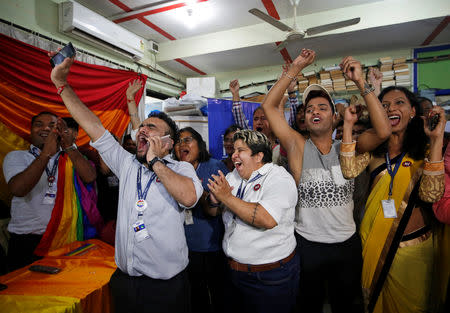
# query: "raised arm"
{"type": "Point", "coordinates": [82, 165]}
{"type": "Point", "coordinates": [236, 109]}
{"type": "Point", "coordinates": [381, 130]}
{"type": "Point", "coordinates": [292, 97]}
{"type": "Point", "coordinates": [375, 78]}
{"type": "Point", "coordinates": [79, 111]}
{"type": "Point", "coordinates": [132, 89]}
{"type": "Point", "coordinates": [252, 213]}
{"type": "Point", "coordinates": [433, 180]}
{"type": "Point", "coordinates": [351, 165]}
{"type": "Point", "coordinates": [292, 141]}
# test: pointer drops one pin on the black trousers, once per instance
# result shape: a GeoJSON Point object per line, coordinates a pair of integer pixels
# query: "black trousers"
{"type": "Point", "coordinates": [140, 294]}
{"type": "Point", "coordinates": [21, 250]}
{"type": "Point", "coordinates": [207, 278]}
{"type": "Point", "coordinates": [336, 265]}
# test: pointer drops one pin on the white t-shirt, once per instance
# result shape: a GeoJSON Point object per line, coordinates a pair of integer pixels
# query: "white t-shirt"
{"type": "Point", "coordinates": [275, 190]}
{"type": "Point", "coordinates": [28, 214]}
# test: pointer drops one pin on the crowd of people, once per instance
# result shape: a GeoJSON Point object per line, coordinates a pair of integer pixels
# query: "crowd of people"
{"type": "Point", "coordinates": [292, 218]}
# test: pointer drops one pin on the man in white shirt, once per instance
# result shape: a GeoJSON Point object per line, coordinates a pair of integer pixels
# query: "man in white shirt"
{"type": "Point", "coordinates": [32, 177]}
{"type": "Point", "coordinates": [151, 251]}
{"type": "Point", "coordinates": [259, 198]}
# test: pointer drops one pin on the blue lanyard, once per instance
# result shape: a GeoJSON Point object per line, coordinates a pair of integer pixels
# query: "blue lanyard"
{"type": "Point", "coordinates": [240, 192]}
{"type": "Point", "coordinates": [198, 168]}
{"type": "Point", "coordinates": [392, 173]}
{"type": "Point", "coordinates": [139, 185]}
{"type": "Point", "coordinates": [50, 172]}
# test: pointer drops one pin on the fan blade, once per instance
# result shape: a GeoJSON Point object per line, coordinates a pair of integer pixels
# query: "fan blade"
{"type": "Point", "coordinates": [269, 19]}
{"type": "Point", "coordinates": [281, 46]}
{"type": "Point", "coordinates": [327, 27]}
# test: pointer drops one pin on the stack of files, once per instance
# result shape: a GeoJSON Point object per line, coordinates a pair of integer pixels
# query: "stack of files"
{"type": "Point", "coordinates": [350, 85]}
{"type": "Point", "coordinates": [387, 71]}
{"type": "Point", "coordinates": [313, 80]}
{"type": "Point", "coordinates": [325, 80]}
{"type": "Point", "coordinates": [401, 71]}
{"type": "Point", "coordinates": [338, 80]}
{"type": "Point", "coordinates": [331, 68]}
{"type": "Point", "coordinates": [311, 77]}
{"type": "Point", "coordinates": [302, 83]}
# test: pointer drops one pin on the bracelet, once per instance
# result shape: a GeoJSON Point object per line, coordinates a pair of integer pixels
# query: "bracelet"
{"type": "Point", "coordinates": [134, 114]}
{"type": "Point", "coordinates": [348, 143]}
{"type": "Point", "coordinates": [290, 77]}
{"type": "Point", "coordinates": [129, 100]}
{"type": "Point", "coordinates": [367, 89]}
{"type": "Point", "coordinates": [60, 89]}
{"type": "Point", "coordinates": [236, 103]}
{"type": "Point", "coordinates": [431, 162]}
{"type": "Point", "coordinates": [432, 168]}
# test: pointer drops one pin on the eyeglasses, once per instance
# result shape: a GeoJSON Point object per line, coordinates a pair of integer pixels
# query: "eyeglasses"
{"type": "Point", "coordinates": [186, 140]}
{"type": "Point", "coordinates": [228, 140]}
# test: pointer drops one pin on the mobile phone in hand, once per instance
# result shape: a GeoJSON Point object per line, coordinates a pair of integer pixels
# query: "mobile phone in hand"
{"type": "Point", "coordinates": [67, 52]}
{"type": "Point", "coordinates": [433, 121]}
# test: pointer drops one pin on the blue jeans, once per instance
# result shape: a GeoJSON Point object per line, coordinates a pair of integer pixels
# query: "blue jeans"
{"type": "Point", "coordinates": [267, 291]}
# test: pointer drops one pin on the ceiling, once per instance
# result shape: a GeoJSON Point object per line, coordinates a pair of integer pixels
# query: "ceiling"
{"type": "Point", "coordinates": [222, 36]}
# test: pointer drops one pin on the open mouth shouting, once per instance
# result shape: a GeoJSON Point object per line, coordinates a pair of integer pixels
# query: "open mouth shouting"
{"type": "Point", "coordinates": [259, 128]}
{"type": "Point", "coordinates": [316, 120]}
{"type": "Point", "coordinates": [142, 143]}
{"type": "Point", "coordinates": [238, 165]}
{"type": "Point", "coordinates": [184, 154]}
{"type": "Point", "coordinates": [394, 119]}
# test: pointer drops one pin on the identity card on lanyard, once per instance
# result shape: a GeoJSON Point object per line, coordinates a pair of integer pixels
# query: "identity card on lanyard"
{"type": "Point", "coordinates": [388, 205]}
{"type": "Point", "coordinates": [50, 194]}
{"type": "Point", "coordinates": [139, 228]}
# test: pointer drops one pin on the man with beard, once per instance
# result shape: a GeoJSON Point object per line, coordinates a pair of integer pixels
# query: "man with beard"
{"type": "Point", "coordinates": [150, 250]}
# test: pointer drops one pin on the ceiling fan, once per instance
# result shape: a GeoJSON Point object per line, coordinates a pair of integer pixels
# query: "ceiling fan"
{"type": "Point", "coordinates": [295, 33]}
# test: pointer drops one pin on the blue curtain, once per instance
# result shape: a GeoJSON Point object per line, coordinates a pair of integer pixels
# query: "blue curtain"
{"type": "Point", "coordinates": [220, 118]}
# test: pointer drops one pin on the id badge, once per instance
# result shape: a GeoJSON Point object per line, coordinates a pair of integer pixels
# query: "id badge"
{"type": "Point", "coordinates": [140, 231]}
{"type": "Point", "coordinates": [188, 219]}
{"type": "Point", "coordinates": [389, 208]}
{"type": "Point", "coordinates": [49, 197]}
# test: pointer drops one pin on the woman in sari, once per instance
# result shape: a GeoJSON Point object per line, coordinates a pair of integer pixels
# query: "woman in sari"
{"type": "Point", "coordinates": [399, 234]}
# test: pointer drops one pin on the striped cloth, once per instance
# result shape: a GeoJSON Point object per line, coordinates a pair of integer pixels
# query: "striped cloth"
{"type": "Point", "coordinates": [75, 216]}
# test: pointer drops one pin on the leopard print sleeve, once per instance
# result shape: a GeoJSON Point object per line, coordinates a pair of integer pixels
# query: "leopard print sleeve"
{"type": "Point", "coordinates": [351, 164]}
{"type": "Point", "coordinates": [433, 181]}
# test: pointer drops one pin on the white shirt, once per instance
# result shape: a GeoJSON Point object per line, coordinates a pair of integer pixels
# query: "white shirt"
{"type": "Point", "coordinates": [165, 253]}
{"type": "Point", "coordinates": [28, 214]}
{"type": "Point", "coordinates": [275, 190]}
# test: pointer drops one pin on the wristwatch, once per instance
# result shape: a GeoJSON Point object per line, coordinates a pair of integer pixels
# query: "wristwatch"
{"type": "Point", "coordinates": [70, 148]}
{"type": "Point", "coordinates": [153, 161]}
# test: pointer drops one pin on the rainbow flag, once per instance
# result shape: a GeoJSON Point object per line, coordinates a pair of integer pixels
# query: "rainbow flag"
{"type": "Point", "coordinates": [75, 216]}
